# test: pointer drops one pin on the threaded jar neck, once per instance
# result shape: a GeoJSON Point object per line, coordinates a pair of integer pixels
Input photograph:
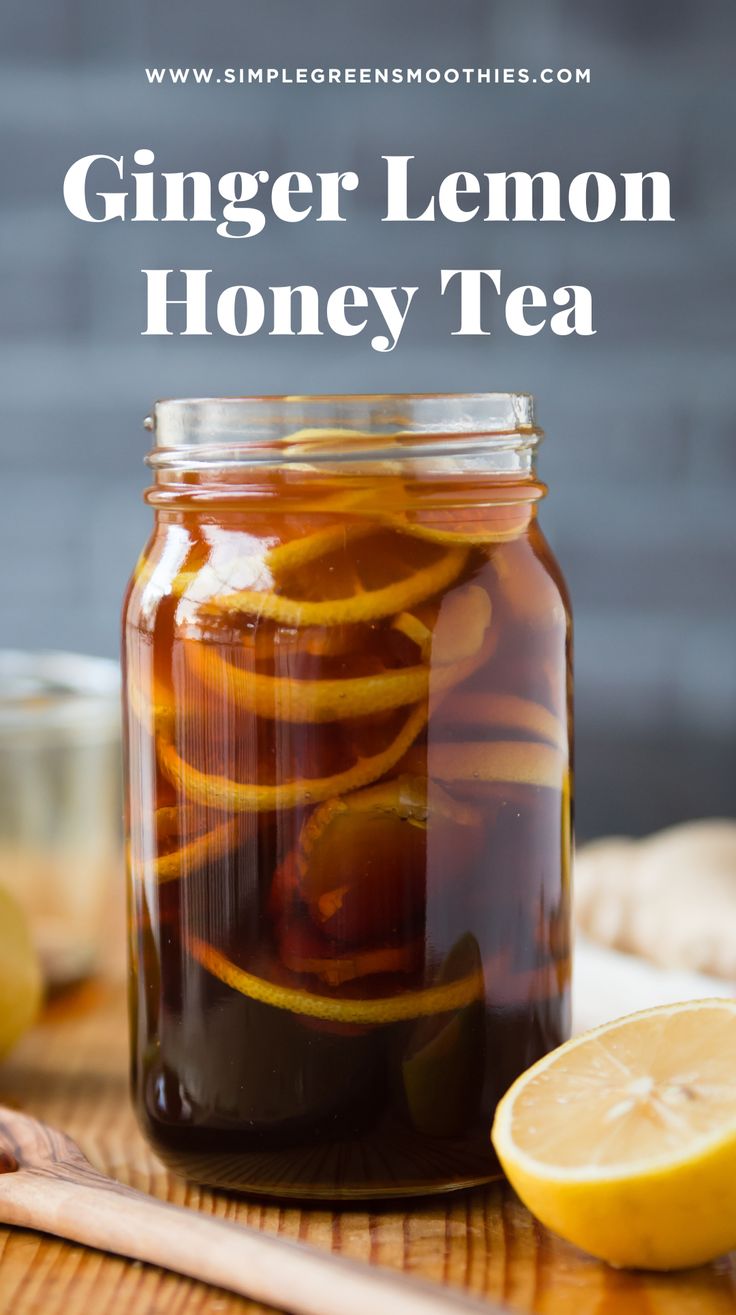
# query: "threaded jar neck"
{"type": "Point", "coordinates": [442, 433]}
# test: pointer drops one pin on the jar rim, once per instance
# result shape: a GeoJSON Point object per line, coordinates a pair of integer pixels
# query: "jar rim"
{"type": "Point", "coordinates": [350, 426]}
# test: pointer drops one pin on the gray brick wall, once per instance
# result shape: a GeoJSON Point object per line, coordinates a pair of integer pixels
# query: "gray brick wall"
{"type": "Point", "coordinates": [641, 457]}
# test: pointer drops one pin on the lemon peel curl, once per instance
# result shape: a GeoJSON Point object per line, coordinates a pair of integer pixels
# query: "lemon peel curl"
{"type": "Point", "coordinates": [371, 605]}
{"type": "Point", "coordinates": [392, 1009]}
{"type": "Point", "coordinates": [219, 792]}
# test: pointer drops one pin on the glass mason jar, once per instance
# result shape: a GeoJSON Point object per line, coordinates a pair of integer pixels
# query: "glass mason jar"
{"type": "Point", "coordinates": [347, 655]}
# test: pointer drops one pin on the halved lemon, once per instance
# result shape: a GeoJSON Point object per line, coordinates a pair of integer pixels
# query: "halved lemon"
{"type": "Point", "coordinates": [623, 1140]}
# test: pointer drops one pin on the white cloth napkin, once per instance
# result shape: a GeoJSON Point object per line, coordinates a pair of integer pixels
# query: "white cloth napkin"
{"type": "Point", "coordinates": [607, 984]}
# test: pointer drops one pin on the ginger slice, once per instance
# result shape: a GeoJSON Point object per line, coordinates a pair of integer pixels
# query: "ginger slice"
{"type": "Point", "coordinates": [458, 638]}
{"type": "Point", "coordinates": [510, 711]}
{"type": "Point", "coordinates": [463, 619]}
{"type": "Point", "coordinates": [392, 1009]}
{"type": "Point", "coordinates": [527, 588]}
{"type": "Point", "coordinates": [190, 856]}
{"type": "Point", "coordinates": [372, 605]}
{"type": "Point", "coordinates": [240, 797]}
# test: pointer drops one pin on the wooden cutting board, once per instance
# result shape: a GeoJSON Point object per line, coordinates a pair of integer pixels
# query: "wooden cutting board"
{"type": "Point", "coordinates": [72, 1071]}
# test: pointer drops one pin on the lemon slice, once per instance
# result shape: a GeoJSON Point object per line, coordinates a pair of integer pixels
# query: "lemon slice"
{"type": "Point", "coordinates": [624, 1139]}
{"type": "Point", "coordinates": [390, 1009]}
{"type": "Point", "coordinates": [194, 852]}
{"type": "Point", "coordinates": [459, 639]}
{"type": "Point", "coordinates": [219, 792]}
{"type": "Point", "coordinates": [281, 698]}
{"type": "Point", "coordinates": [295, 553]}
{"type": "Point", "coordinates": [366, 605]}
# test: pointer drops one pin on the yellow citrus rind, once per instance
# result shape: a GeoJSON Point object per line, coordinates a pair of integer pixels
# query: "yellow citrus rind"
{"type": "Point", "coordinates": [219, 792]}
{"type": "Point", "coordinates": [295, 553]}
{"type": "Point", "coordinates": [281, 698]}
{"type": "Point", "coordinates": [188, 857]}
{"type": "Point", "coordinates": [370, 605]}
{"type": "Point", "coordinates": [406, 623]}
{"type": "Point", "coordinates": [391, 1009]}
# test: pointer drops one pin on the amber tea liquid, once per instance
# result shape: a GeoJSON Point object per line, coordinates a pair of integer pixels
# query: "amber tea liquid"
{"type": "Point", "coordinates": [349, 824]}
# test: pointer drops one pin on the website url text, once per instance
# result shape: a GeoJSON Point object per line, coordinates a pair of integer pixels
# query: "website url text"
{"type": "Point", "coordinates": [261, 76]}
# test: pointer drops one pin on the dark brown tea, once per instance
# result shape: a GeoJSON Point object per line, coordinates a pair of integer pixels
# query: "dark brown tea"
{"type": "Point", "coordinates": [349, 812]}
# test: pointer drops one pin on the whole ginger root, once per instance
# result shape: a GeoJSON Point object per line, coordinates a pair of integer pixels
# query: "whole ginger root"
{"type": "Point", "coordinates": [670, 898]}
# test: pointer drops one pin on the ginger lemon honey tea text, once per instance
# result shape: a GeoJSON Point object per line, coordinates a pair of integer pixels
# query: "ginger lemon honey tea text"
{"type": "Point", "coordinates": [247, 201]}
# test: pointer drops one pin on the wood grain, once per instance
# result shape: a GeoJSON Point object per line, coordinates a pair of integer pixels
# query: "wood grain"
{"type": "Point", "coordinates": [47, 1184]}
{"type": "Point", "coordinates": [71, 1071]}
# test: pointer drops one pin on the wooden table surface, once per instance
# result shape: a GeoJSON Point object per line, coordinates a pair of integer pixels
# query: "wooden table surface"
{"type": "Point", "coordinates": [71, 1071]}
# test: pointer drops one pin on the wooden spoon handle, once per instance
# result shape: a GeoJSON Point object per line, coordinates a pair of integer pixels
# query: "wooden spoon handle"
{"type": "Point", "coordinates": [275, 1270]}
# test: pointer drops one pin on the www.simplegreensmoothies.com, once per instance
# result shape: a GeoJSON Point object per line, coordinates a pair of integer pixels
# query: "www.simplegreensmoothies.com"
{"type": "Point", "coordinates": [261, 76]}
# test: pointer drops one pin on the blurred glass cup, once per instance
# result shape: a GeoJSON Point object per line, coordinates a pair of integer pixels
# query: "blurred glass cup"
{"type": "Point", "coordinates": [60, 832]}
